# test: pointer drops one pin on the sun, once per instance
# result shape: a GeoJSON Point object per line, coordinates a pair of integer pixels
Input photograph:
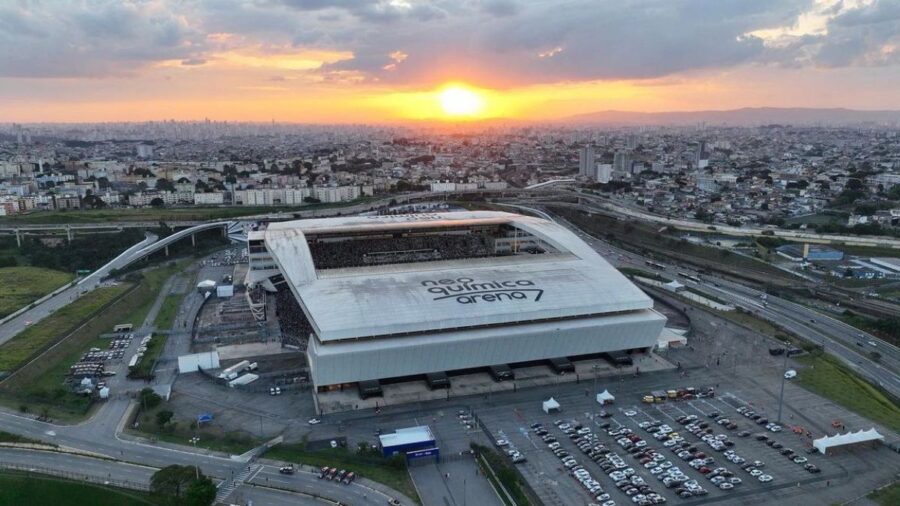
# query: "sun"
{"type": "Point", "coordinates": [459, 101]}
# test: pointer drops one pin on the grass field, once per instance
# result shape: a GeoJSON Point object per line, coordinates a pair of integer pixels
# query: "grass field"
{"type": "Point", "coordinates": [6, 437]}
{"type": "Point", "coordinates": [27, 343]}
{"type": "Point", "coordinates": [100, 216]}
{"type": "Point", "coordinates": [39, 386]}
{"type": "Point", "coordinates": [20, 489]}
{"type": "Point", "coordinates": [652, 240]}
{"type": "Point", "coordinates": [371, 466]}
{"type": "Point", "coordinates": [888, 496]}
{"type": "Point", "coordinates": [166, 316]}
{"type": "Point", "coordinates": [829, 378]}
{"type": "Point", "coordinates": [20, 286]}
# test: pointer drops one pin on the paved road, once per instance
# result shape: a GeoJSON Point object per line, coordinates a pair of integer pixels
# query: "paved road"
{"type": "Point", "coordinates": [15, 325]}
{"type": "Point", "coordinates": [839, 338]}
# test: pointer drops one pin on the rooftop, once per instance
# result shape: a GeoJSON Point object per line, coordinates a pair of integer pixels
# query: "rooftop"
{"type": "Point", "coordinates": [382, 300]}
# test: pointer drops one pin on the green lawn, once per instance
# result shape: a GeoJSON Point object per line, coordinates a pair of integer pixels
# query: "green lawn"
{"type": "Point", "coordinates": [656, 242]}
{"type": "Point", "coordinates": [888, 496]}
{"type": "Point", "coordinates": [6, 437]}
{"type": "Point", "coordinates": [17, 489]}
{"type": "Point", "coordinates": [166, 316]}
{"type": "Point", "coordinates": [506, 475]}
{"type": "Point", "coordinates": [39, 387]}
{"type": "Point", "coordinates": [150, 214]}
{"type": "Point", "coordinates": [370, 465]}
{"type": "Point", "coordinates": [20, 286]}
{"type": "Point", "coordinates": [34, 339]}
{"type": "Point", "coordinates": [827, 377]}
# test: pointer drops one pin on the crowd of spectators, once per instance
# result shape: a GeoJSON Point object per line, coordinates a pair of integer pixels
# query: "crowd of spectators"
{"type": "Point", "coordinates": [295, 328]}
{"type": "Point", "coordinates": [420, 248]}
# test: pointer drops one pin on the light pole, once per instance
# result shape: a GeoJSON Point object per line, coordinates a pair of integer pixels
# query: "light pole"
{"type": "Point", "coordinates": [781, 395]}
{"type": "Point", "coordinates": [594, 369]}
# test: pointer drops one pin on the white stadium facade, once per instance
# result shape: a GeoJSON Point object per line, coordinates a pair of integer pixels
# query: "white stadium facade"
{"type": "Point", "coordinates": [391, 297]}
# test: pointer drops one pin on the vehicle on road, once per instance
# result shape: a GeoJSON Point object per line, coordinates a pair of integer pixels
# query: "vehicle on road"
{"type": "Point", "coordinates": [314, 421]}
{"type": "Point", "coordinates": [287, 469]}
{"type": "Point", "coordinates": [790, 374]}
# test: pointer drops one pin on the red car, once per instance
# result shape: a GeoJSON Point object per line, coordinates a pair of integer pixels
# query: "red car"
{"type": "Point", "coordinates": [704, 470]}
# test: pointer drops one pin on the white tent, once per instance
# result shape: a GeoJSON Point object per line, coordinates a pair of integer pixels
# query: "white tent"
{"type": "Point", "coordinates": [206, 285]}
{"type": "Point", "coordinates": [605, 397]}
{"type": "Point", "coordinates": [551, 406]}
{"type": "Point", "coordinates": [823, 444]}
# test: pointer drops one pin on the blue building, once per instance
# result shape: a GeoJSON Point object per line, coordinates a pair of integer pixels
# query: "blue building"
{"type": "Point", "coordinates": [810, 253]}
{"type": "Point", "coordinates": [414, 442]}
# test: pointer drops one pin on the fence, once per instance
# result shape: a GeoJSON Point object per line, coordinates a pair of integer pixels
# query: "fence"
{"type": "Point", "coordinates": [98, 480]}
{"type": "Point", "coordinates": [532, 495]}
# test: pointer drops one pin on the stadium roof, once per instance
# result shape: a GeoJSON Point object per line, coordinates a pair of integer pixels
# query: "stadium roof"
{"type": "Point", "coordinates": [443, 295]}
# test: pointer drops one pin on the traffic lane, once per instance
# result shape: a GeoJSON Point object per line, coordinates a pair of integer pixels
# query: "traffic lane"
{"type": "Point", "coordinates": [262, 496]}
{"type": "Point", "coordinates": [882, 376]}
{"type": "Point", "coordinates": [119, 471]}
{"type": "Point", "coordinates": [310, 483]}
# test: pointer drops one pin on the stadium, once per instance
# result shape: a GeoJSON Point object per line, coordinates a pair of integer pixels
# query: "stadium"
{"type": "Point", "coordinates": [388, 298]}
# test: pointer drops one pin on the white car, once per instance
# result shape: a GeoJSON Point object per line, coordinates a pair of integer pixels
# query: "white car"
{"type": "Point", "coordinates": [314, 421]}
{"type": "Point", "coordinates": [790, 374]}
{"type": "Point", "coordinates": [765, 478]}
{"type": "Point", "coordinates": [502, 442]}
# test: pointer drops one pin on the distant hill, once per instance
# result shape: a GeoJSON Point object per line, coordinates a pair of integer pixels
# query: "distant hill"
{"type": "Point", "coordinates": [739, 117]}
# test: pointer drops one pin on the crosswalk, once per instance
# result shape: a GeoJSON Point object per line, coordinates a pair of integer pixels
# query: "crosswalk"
{"type": "Point", "coordinates": [226, 487]}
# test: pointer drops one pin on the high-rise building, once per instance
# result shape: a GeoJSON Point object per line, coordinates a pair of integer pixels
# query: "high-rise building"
{"type": "Point", "coordinates": [631, 141]}
{"type": "Point", "coordinates": [586, 161]}
{"type": "Point", "coordinates": [701, 153]}
{"type": "Point", "coordinates": [622, 162]}
{"type": "Point", "coordinates": [604, 173]}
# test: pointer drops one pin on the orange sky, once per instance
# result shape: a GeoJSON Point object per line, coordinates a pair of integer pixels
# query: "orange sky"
{"type": "Point", "coordinates": [389, 60]}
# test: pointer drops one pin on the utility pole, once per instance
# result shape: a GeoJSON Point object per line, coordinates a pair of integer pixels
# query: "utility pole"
{"type": "Point", "coordinates": [781, 395]}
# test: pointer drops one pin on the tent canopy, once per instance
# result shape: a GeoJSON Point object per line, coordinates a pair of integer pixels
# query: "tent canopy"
{"type": "Point", "coordinates": [206, 284]}
{"type": "Point", "coordinates": [863, 436]}
{"type": "Point", "coordinates": [605, 397]}
{"type": "Point", "coordinates": [550, 405]}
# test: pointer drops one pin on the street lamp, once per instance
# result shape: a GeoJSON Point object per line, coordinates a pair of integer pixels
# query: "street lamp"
{"type": "Point", "coordinates": [783, 379]}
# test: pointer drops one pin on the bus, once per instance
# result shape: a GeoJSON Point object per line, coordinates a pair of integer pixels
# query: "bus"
{"type": "Point", "coordinates": [688, 277]}
{"type": "Point", "coordinates": [123, 327]}
{"type": "Point", "coordinates": [655, 265]}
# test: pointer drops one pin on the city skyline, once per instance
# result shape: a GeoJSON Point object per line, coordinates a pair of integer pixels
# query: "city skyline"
{"type": "Point", "coordinates": [342, 61]}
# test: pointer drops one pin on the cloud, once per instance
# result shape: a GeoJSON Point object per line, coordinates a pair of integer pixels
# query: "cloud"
{"type": "Point", "coordinates": [863, 35]}
{"type": "Point", "coordinates": [489, 42]}
{"type": "Point", "coordinates": [91, 39]}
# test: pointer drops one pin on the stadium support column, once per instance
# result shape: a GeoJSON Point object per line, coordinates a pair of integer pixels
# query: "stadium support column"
{"type": "Point", "coordinates": [167, 250]}
{"type": "Point", "coordinates": [225, 231]}
{"type": "Point", "coordinates": [18, 238]}
{"type": "Point", "coordinates": [194, 240]}
{"type": "Point", "coordinates": [69, 232]}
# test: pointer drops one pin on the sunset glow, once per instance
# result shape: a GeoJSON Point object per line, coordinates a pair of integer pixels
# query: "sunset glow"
{"type": "Point", "coordinates": [457, 101]}
{"type": "Point", "coordinates": [484, 60]}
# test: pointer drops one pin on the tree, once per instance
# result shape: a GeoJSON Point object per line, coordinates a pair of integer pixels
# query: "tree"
{"type": "Point", "coordinates": [201, 492]}
{"type": "Point", "coordinates": [157, 202]}
{"type": "Point", "coordinates": [164, 417]}
{"type": "Point", "coordinates": [163, 184]}
{"type": "Point", "coordinates": [182, 485]}
{"type": "Point", "coordinates": [149, 398]}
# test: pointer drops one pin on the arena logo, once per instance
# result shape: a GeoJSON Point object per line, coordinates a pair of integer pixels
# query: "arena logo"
{"type": "Point", "coordinates": [469, 291]}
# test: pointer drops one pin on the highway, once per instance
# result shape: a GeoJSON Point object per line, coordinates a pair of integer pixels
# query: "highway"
{"type": "Point", "coordinates": [839, 338]}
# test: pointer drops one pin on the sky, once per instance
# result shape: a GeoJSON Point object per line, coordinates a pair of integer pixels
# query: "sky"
{"type": "Point", "coordinates": [358, 61]}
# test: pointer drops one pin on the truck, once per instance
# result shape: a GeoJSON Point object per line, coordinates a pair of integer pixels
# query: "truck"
{"type": "Point", "coordinates": [233, 371]}
{"type": "Point", "coordinates": [243, 380]}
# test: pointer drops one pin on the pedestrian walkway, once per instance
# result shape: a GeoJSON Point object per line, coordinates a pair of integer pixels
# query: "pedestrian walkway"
{"type": "Point", "coordinates": [227, 487]}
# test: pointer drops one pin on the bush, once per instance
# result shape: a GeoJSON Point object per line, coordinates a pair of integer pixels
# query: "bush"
{"type": "Point", "coordinates": [149, 398]}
